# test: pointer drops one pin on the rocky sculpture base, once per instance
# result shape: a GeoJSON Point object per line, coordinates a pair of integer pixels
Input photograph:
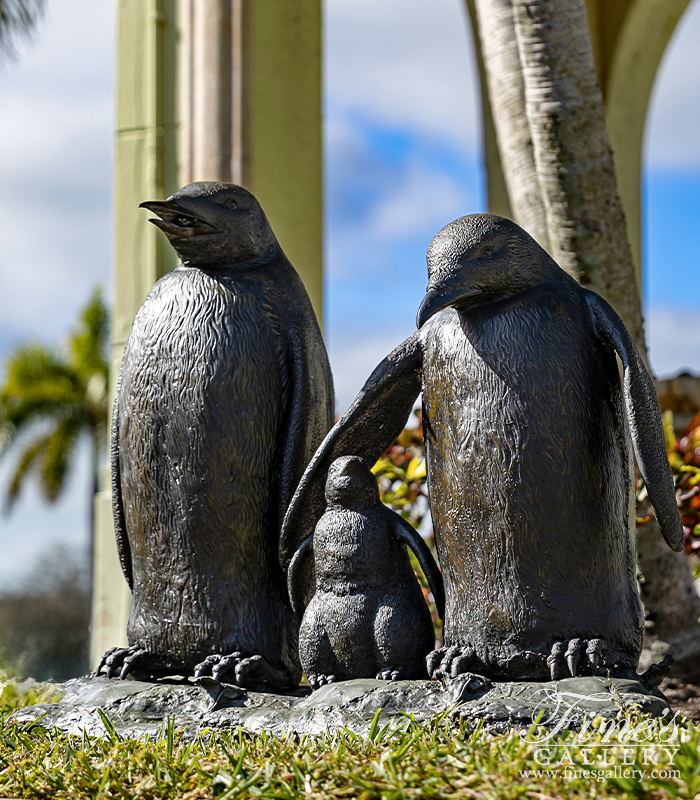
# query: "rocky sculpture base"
{"type": "Point", "coordinates": [138, 708]}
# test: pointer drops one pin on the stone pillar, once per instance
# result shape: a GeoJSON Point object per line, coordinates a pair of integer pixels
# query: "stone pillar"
{"type": "Point", "coordinates": [632, 63]}
{"type": "Point", "coordinates": [250, 95]}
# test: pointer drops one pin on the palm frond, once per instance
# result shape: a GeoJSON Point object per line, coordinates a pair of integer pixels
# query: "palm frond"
{"type": "Point", "coordinates": [62, 395]}
{"type": "Point", "coordinates": [34, 365]}
{"type": "Point", "coordinates": [7, 431]}
{"type": "Point", "coordinates": [89, 344]}
{"type": "Point", "coordinates": [57, 456]}
{"type": "Point", "coordinates": [40, 385]}
{"type": "Point", "coordinates": [31, 453]}
{"type": "Point", "coordinates": [17, 17]}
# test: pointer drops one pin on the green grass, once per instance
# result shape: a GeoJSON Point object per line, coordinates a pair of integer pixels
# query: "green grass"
{"type": "Point", "coordinates": [434, 761]}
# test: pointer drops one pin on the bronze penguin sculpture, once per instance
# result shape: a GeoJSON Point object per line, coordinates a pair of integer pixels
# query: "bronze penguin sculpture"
{"type": "Point", "coordinates": [529, 460]}
{"type": "Point", "coordinates": [224, 394]}
{"type": "Point", "coordinates": [368, 617]}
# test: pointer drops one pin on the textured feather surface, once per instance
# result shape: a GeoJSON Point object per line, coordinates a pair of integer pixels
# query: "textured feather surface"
{"type": "Point", "coordinates": [529, 470]}
{"type": "Point", "coordinates": [368, 612]}
{"type": "Point", "coordinates": [205, 396]}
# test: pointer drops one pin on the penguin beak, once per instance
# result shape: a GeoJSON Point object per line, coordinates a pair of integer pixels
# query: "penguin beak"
{"type": "Point", "coordinates": [177, 222]}
{"type": "Point", "coordinates": [436, 299]}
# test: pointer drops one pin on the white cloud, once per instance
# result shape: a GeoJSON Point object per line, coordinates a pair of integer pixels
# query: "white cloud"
{"type": "Point", "coordinates": [354, 357]}
{"type": "Point", "coordinates": [382, 206]}
{"type": "Point", "coordinates": [673, 340]}
{"type": "Point", "coordinates": [426, 199]}
{"type": "Point", "coordinates": [56, 105]}
{"type": "Point", "coordinates": [405, 63]}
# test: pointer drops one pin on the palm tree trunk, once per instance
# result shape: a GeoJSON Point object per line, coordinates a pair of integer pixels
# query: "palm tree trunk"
{"type": "Point", "coordinates": [507, 93]}
{"type": "Point", "coordinates": [671, 603]}
{"type": "Point", "coordinates": [585, 225]}
{"type": "Point", "coordinates": [566, 115]}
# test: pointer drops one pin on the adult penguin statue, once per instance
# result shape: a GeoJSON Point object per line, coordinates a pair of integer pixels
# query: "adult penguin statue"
{"type": "Point", "coordinates": [368, 617]}
{"type": "Point", "coordinates": [526, 425]}
{"type": "Point", "coordinates": [224, 394]}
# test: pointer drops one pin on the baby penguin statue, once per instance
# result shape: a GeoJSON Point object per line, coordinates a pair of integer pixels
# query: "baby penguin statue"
{"type": "Point", "coordinates": [368, 617]}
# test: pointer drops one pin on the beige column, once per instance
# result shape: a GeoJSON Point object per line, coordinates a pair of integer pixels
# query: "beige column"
{"type": "Point", "coordinates": [639, 46]}
{"type": "Point", "coordinates": [251, 113]}
{"type": "Point", "coordinates": [206, 90]}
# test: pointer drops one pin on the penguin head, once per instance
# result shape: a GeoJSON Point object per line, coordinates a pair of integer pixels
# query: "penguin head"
{"type": "Point", "coordinates": [351, 483]}
{"type": "Point", "coordinates": [214, 223]}
{"type": "Point", "coordinates": [479, 259]}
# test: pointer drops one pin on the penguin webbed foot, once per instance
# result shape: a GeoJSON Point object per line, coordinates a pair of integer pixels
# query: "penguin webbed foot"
{"type": "Point", "coordinates": [579, 656]}
{"type": "Point", "coordinates": [253, 672]}
{"type": "Point", "coordinates": [316, 681]}
{"type": "Point", "coordinates": [134, 661]}
{"type": "Point", "coordinates": [390, 674]}
{"type": "Point", "coordinates": [449, 662]}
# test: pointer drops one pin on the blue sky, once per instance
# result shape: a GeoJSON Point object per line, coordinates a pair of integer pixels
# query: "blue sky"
{"type": "Point", "coordinates": [402, 149]}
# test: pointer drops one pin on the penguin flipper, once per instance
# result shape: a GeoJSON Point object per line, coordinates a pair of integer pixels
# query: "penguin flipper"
{"type": "Point", "coordinates": [310, 408]}
{"type": "Point", "coordinates": [305, 549]}
{"type": "Point", "coordinates": [414, 540]}
{"type": "Point", "coordinates": [123, 547]}
{"type": "Point", "coordinates": [369, 426]}
{"type": "Point", "coordinates": [644, 417]}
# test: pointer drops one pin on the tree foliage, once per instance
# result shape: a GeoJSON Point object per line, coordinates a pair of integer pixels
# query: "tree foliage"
{"type": "Point", "coordinates": [50, 397]}
{"type": "Point", "coordinates": [45, 618]}
{"type": "Point", "coordinates": [17, 17]}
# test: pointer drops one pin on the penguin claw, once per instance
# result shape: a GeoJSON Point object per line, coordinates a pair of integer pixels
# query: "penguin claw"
{"type": "Point", "coordinates": [580, 656]}
{"type": "Point", "coordinates": [139, 658]}
{"type": "Point", "coordinates": [555, 661]}
{"type": "Point", "coordinates": [317, 681]}
{"type": "Point", "coordinates": [432, 660]}
{"type": "Point", "coordinates": [460, 664]}
{"type": "Point", "coordinates": [449, 661]}
{"type": "Point", "coordinates": [204, 668]}
{"type": "Point", "coordinates": [389, 674]}
{"type": "Point", "coordinates": [249, 672]}
{"type": "Point", "coordinates": [218, 666]}
{"type": "Point", "coordinates": [573, 655]}
{"type": "Point", "coordinates": [106, 657]}
{"type": "Point", "coordinates": [594, 653]}
{"type": "Point", "coordinates": [120, 662]}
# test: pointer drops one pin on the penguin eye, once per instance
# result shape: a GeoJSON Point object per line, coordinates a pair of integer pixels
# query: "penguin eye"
{"type": "Point", "coordinates": [231, 203]}
{"type": "Point", "coordinates": [488, 251]}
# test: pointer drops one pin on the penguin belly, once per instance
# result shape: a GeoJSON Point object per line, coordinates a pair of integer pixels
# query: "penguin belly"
{"type": "Point", "coordinates": [336, 636]}
{"type": "Point", "coordinates": [337, 632]}
{"type": "Point", "coordinates": [530, 482]}
{"type": "Point", "coordinates": [202, 399]}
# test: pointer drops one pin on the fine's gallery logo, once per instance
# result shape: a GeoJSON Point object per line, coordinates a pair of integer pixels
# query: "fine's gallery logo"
{"type": "Point", "coordinates": [621, 744]}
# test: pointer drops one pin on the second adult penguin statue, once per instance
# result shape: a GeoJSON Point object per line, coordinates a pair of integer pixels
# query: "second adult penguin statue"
{"type": "Point", "coordinates": [224, 394]}
{"type": "Point", "coordinates": [529, 462]}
